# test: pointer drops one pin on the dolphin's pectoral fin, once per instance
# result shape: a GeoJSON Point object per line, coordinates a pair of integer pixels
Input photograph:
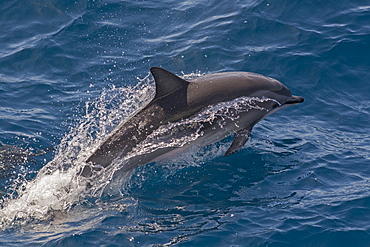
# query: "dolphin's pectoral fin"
{"type": "Point", "coordinates": [240, 138]}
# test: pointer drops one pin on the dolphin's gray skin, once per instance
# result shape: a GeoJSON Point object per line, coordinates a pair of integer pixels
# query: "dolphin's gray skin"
{"type": "Point", "coordinates": [176, 99]}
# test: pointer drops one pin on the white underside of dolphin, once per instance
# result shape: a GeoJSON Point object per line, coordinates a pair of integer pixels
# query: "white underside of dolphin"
{"type": "Point", "coordinates": [198, 112]}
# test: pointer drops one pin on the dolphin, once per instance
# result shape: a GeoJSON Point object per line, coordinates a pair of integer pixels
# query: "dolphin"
{"type": "Point", "coordinates": [177, 99]}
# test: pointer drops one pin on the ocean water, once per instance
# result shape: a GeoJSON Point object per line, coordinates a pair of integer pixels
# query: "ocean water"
{"type": "Point", "coordinates": [70, 71]}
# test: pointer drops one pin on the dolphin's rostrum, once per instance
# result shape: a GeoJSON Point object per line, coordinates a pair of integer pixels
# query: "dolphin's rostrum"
{"type": "Point", "coordinates": [177, 99]}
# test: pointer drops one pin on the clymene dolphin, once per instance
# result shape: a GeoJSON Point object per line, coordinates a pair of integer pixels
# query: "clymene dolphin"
{"type": "Point", "coordinates": [177, 99]}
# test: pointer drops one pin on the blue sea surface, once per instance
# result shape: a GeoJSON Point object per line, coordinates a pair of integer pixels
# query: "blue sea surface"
{"type": "Point", "coordinates": [70, 71]}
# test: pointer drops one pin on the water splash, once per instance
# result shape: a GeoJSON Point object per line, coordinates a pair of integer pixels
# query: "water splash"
{"type": "Point", "coordinates": [57, 187]}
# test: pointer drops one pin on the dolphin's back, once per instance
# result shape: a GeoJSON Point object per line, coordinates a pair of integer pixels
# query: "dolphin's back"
{"type": "Point", "coordinates": [213, 88]}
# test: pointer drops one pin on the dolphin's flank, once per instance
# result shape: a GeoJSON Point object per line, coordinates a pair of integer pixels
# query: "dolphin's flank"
{"type": "Point", "coordinates": [177, 99]}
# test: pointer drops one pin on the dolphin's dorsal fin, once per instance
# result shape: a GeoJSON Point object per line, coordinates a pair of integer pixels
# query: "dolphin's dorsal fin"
{"type": "Point", "coordinates": [166, 82]}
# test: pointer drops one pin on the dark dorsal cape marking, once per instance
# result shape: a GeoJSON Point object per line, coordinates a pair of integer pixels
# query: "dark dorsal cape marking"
{"type": "Point", "coordinates": [171, 95]}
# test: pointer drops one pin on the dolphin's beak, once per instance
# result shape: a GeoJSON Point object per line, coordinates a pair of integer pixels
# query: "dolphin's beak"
{"type": "Point", "coordinates": [294, 100]}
